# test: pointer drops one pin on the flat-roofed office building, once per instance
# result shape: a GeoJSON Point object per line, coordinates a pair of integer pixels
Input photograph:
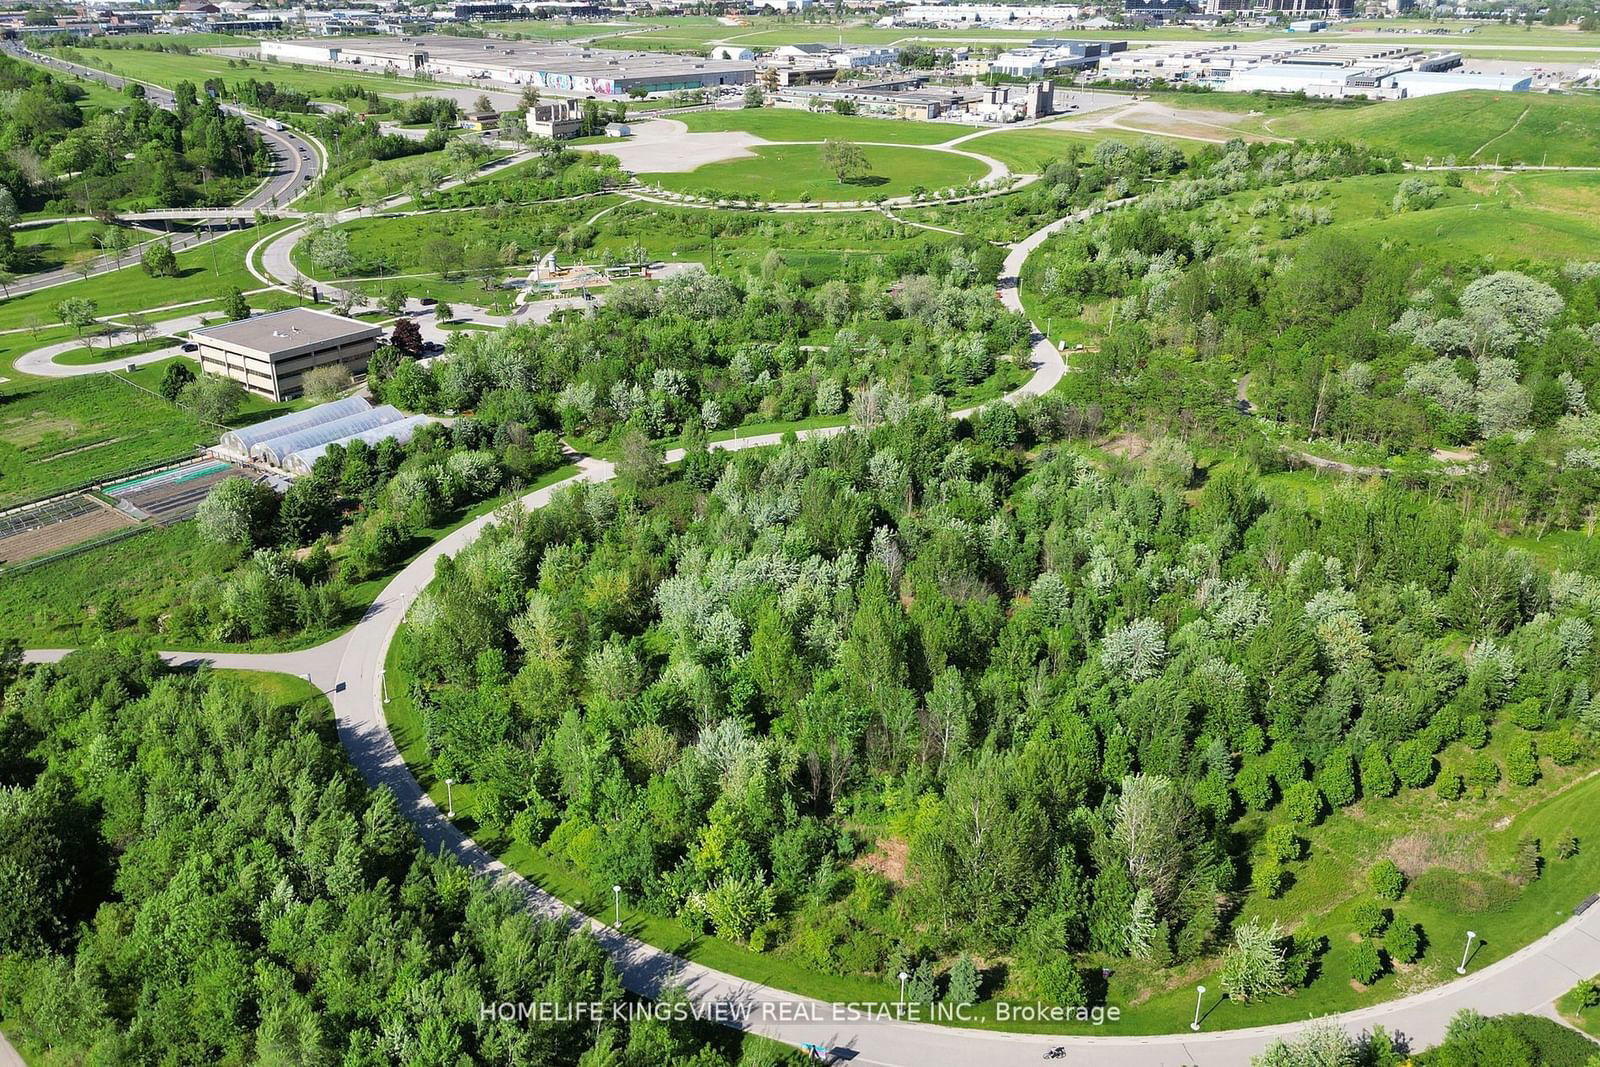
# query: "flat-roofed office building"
{"type": "Point", "coordinates": [270, 354]}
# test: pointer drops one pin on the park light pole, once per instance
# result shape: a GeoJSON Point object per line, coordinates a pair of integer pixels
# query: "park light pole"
{"type": "Point", "coordinates": [1199, 997]}
{"type": "Point", "coordinates": [903, 976]}
{"type": "Point", "coordinates": [383, 683]}
{"type": "Point", "coordinates": [449, 798]}
{"type": "Point", "coordinates": [1466, 952]}
{"type": "Point", "coordinates": [616, 905]}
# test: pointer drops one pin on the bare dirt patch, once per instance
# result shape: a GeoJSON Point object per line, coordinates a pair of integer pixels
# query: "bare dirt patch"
{"type": "Point", "coordinates": [54, 534]}
{"type": "Point", "coordinates": [1418, 852]}
{"type": "Point", "coordinates": [887, 859]}
{"type": "Point", "coordinates": [1128, 446]}
{"type": "Point", "coordinates": [665, 146]}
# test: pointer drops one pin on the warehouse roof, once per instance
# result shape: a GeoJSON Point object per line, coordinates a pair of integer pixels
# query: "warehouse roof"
{"type": "Point", "coordinates": [287, 331]}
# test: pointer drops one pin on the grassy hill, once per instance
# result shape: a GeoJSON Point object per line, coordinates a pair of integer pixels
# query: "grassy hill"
{"type": "Point", "coordinates": [1474, 127]}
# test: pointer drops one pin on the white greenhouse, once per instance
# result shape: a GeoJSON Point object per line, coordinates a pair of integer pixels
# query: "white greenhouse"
{"type": "Point", "coordinates": [277, 450]}
{"type": "Point", "coordinates": [242, 442]}
{"type": "Point", "coordinates": [302, 461]}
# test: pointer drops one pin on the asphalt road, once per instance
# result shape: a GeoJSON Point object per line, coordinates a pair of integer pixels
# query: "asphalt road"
{"type": "Point", "coordinates": [296, 164]}
{"type": "Point", "coordinates": [350, 671]}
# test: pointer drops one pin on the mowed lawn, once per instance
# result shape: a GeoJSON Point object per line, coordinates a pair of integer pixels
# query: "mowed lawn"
{"type": "Point", "coordinates": [206, 272]}
{"type": "Point", "coordinates": [793, 124]}
{"type": "Point", "coordinates": [790, 173]}
{"type": "Point", "coordinates": [1473, 127]}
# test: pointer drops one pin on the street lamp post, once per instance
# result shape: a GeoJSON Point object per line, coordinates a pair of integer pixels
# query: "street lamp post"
{"type": "Point", "coordinates": [616, 905]}
{"type": "Point", "coordinates": [903, 976]}
{"type": "Point", "coordinates": [383, 683]}
{"type": "Point", "coordinates": [449, 798]}
{"type": "Point", "coordinates": [1199, 997]}
{"type": "Point", "coordinates": [1466, 952]}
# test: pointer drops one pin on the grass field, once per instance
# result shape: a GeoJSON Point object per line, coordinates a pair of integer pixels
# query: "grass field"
{"type": "Point", "coordinates": [793, 124]}
{"type": "Point", "coordinates": [1533, 215]}
{"type": "Point", "coordinates": [1468, 127]}
{"type": "Point", "coordinates": [58, 434]}
{"type": "Point", "coordinates": [376, 181]}
{"type": "Point", "coordinates": [1571, 1006]}
{"type": "Point", "coordinates": [209, 271]}
{"type": "Point", "coordinates": [789, 173]}
{"type": "Point", "coordinates": [53, 246]}
{"type": "Point", "coordinates": [169, 68]}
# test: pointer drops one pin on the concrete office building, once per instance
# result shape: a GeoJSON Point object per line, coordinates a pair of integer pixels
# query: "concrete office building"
{"type": "Point", "coordinates": [557, 120]}
{"type": "Point", "coordinates": [270, 354]}
{"type": "Point", "coordinates": [568, 68]}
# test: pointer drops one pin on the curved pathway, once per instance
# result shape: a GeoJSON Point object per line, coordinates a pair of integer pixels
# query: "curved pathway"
{"type": "Point", "coordinates": [349, 670]}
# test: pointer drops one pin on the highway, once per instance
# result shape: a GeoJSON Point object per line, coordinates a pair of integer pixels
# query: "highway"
{"type": "Point", "coordinates": [297, 160]}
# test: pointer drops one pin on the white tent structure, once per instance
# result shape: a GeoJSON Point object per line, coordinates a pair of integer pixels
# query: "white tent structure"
{"type": "Point", "coordinates": [242, 442]}
{"type": "Point", "coordinates": [277, 450]}
{"type": "Point", "coordinates": [402, 431]}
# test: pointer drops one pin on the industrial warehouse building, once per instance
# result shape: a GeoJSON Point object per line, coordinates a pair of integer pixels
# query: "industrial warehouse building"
{"type": "Point", "coordinates": [560, 67]}
{"type": "Point", "coordinates": [295, 442]}
{"type": "Point", "coordinates": [1333, 71]}
{"type": "Point", "coordinates": [270, 354]}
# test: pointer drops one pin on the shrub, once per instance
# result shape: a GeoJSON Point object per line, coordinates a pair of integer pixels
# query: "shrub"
{"type": "Point", "coordinates": [1303, 804]}
{"type": "Point", "coordinates": [1386, 879]}
{"type": "Point", "coordinates": [1253, 786]}
{"type": "Point", "coordinates": [1527, 713]}
{"type": "Point", "coordinates": [1253, 966]}
{"type": "Point", "coordinates": [1365, 962]}
{"type": "Point", "coordinates": [1522, 764]}
{"type": "Point", "coordinates": [1561, 747]}
{"type": "Point", "coordinates": [1529, 859]}
{"type": "Point", "coordinates": [1060, 983]}
{"type": "Point", "coordinates": [1483, 773]}
{"type": "Point", "coordinates": [1449, 786]}
{"type": "Point", "coordinates": [1566, 848]}
{"type": "Point", "coordinates": [1474, 730]}
{"type": "Point", "coordinates": [1370, 918]}
{"type": "Point", "coordinates": [1268, 879]}
{"type": "Point", "coordinates": [1337, 778]}
{"type": "Point", "coordinates": [1412, 763]}
{"type": "Point", "coordinates": [965, 982]}
{"type": "Point", "coordinates": [1377, 777]}
{"type": "Point", "coordinates": [1281, 844]}
{"type": "Point", "coordinates": [1403, 941]}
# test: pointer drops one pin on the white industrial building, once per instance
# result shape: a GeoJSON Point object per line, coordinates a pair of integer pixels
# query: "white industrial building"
{"type": "Point", "coordinates": [1332, 71]}
{"type": "Point", "coordinates": [970, 14]}
{"type": "Point", "coordinates": [560, 67]}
